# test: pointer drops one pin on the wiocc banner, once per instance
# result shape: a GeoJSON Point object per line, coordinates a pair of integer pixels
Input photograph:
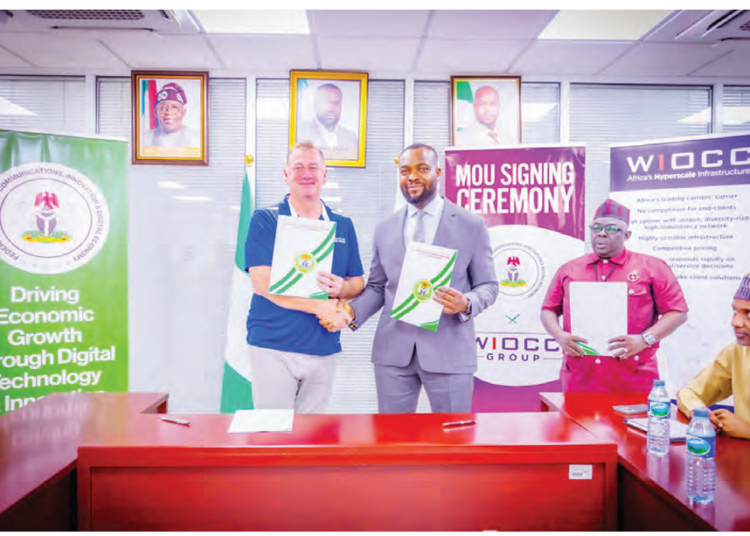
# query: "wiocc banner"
{"type": "Point", "coordinates": [690, 205]}
{"type": "Point", "coordinates": [64, 275]}
{"type": "Point", "coordinates": [532, 200]}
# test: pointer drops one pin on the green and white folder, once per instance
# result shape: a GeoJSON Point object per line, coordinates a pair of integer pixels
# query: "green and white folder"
{"type": "Point", "coordinates": [303, 247]}
{"type": "Point", "coordinates": [425, 269]}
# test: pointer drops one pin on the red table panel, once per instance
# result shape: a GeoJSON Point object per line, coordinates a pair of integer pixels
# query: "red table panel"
{"type": "Point", "coordinates": [652, 489]}
{"type": "Point", "coordinates": [349, 472]}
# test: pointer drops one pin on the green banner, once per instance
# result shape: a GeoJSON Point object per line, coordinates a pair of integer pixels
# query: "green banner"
{"type": "Point", "coordinates": [64, 269]}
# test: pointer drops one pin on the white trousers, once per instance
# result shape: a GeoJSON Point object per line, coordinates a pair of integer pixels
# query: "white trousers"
{"type": "Point", "coordinates": [288, 380]}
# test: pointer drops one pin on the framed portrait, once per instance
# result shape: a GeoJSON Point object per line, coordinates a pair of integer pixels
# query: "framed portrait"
{"type": "Point", "coordinates": [485, 111]}
{"type": "Point", "coordinates": [170, 117]}
{"type": "Point", "coordinates": [329, 109]}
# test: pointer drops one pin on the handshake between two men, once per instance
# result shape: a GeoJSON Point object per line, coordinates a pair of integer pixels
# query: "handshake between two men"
{"type": "Point", "coordinates": [335, 313]}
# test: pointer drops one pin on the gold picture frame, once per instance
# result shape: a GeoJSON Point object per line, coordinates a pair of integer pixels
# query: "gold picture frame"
{"type": "Point", "coordinates": [170, 117]}
{"type": "Point", "coordinates": [329, 109]}
{"type": "Point", "coordinates": [485, 111]}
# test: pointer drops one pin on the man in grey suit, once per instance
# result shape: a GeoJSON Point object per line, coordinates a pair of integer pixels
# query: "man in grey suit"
{"type": "Point", "coordinates": [406, 356]}
{"type": "Point", "coordinates": [336, 141]}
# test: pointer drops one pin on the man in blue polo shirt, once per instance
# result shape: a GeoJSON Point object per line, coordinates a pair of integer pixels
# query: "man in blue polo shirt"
{"type": "Point", "coordinates": [291, 354]}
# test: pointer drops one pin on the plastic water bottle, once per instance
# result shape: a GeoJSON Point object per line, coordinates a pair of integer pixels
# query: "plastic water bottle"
{"type": "Point", "coordinates": [701, 457]}
{"type": "Point", "coordinates": [659, 403]}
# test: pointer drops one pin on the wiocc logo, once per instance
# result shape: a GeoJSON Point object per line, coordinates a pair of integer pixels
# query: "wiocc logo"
{"type": "Point", "coordinates": [520, 269]}
{"type": "Point", "coordinates": [53, 219]}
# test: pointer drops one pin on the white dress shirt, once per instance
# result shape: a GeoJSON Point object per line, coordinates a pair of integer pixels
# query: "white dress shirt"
{"type": "Point", "coordinates": [330, 138]}
{"type": "Point", "coordinates": [432, 213]}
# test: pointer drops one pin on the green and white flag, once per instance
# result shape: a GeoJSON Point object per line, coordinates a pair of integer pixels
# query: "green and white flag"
{"type": "Point", "coordinates": [302, 248]}
{"type": "Point", "coordinates": [236, 388]}
{"type": "Point", "coordinates": [464, 104]}
{"type": "Point", "coordinates": [425, 269]}
{"type": "Point", "coordinates": [64, 266]}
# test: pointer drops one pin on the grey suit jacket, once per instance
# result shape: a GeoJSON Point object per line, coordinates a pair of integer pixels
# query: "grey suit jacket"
{"type": "Point", "coordinates": [453, 347]}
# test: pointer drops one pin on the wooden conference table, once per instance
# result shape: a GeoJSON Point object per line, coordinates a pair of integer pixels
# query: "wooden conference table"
{"type": "Point", "coordinates": [534, 471]}
{"type": "Point", "coordinates": [39, 448]}
{"type": "Point", "coordinates": [651, 490]}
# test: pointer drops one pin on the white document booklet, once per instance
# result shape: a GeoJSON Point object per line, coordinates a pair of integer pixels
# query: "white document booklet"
{"type": "Point", "coordinates": [303, 247]}
{"type": "Point", "coordinates": [598, 313]}
{"type": "Point", "coordinates": [425, 269]}
{"type": "Point", "coordinates": [262, 420]}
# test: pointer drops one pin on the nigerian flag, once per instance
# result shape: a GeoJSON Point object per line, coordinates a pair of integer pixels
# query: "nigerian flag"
{"type": "Point", "coordinates": [236, 388]}
{"type": "Point", "coordinates": [464, 100]}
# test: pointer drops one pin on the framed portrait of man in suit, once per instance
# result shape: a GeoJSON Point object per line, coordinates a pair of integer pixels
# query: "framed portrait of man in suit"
{"type": "Point", "coordinates": [485, 111]}
{"type": "Point", "coordinates": [170, 117]}
{"type": "Point", "coordinates": [329, 109]}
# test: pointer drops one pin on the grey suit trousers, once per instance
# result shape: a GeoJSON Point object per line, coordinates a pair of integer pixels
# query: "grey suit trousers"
{"type": "Point", "coordinates": [398, 388]}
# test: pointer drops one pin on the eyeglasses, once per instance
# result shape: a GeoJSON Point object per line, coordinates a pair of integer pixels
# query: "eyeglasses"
{"type": "Point", "coordinates": [610, 229]}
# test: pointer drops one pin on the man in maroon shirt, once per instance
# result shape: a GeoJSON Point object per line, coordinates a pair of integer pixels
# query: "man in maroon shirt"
{"type": "Point", "coordinates": [656, 307]}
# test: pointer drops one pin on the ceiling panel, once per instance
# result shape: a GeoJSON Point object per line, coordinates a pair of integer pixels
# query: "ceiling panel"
{"type": "Point", "coordinates": [568, 57]}
{"type": "Point", "coordinates": [393, 55]}
{"type": "Point", "coordinates": [367, 23]}
{"type": "Point", "coordinates": [9, 60]}
{"type": "Point", "coordinates": [661, 59]}
{"type": "Point", "coordinates": [60, 50]}
{"type": "Point", "coordinates": [736, 63]}
{"type": "Point", "coordinates": [265, 53]}
{"type": "Point", "coordinates": [151, 51]}
{"type": "Point", "coordinates": [496, 24]}
{"type": "Point", "coordinates": [465, 57]}
{"type": "Point", "coordinates": [676, 24]}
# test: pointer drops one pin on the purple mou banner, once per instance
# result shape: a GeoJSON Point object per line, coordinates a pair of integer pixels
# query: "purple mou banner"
{"type": "Point", "coordinates": [532, 200]}
{"type": "Point", "coordinates": [689, 202]}
{"type": "Point", "coordinates": [694, 163]}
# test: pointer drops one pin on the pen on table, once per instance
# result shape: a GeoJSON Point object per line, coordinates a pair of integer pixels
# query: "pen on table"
{"type": "Point", "coordinates": [458, 424]}
{"type": "Point", "coordinates": [183, 422]}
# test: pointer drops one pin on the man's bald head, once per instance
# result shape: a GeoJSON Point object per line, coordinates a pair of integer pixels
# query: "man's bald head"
{"type": "Point", "coordinates": [487, 106]}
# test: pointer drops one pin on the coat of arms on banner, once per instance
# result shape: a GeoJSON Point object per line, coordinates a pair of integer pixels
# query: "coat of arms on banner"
{"type": "Point", "coordinates": [46, 205]}
{"type": "Point", "coordinates": [520, 269]}
{"type": "Point", "coordinates": [53, 218]}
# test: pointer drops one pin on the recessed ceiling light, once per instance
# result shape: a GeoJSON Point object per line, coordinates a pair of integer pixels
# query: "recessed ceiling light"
{"type": "Point", "coordinates": [253, 21]}
{"type": "Point", "coordinates": [603, 25]}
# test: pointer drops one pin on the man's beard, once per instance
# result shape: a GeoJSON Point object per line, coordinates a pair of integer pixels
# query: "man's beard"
{"type": "Point", "coordinates": [426, 194]}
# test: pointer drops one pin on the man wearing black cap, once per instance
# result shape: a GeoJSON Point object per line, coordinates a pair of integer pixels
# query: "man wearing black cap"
{"type": "Point", "coordinates": [727, 375]}
{"type": "Point", "coordinates": [170, 108]}
{"type": "Point", "coordinates": [656, 307]}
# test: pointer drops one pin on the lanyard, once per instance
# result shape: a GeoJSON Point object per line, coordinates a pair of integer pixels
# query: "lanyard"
{"type": "Point", "coordinates": [323, 210]}
{"type": "Point", "coordinates": [596, 271]}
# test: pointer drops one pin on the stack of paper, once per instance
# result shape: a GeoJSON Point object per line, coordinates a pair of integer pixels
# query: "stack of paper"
{"type": "Point", "coordinates": [262, 420]}
{"type": "Point", "coordinates": [598, 313]}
